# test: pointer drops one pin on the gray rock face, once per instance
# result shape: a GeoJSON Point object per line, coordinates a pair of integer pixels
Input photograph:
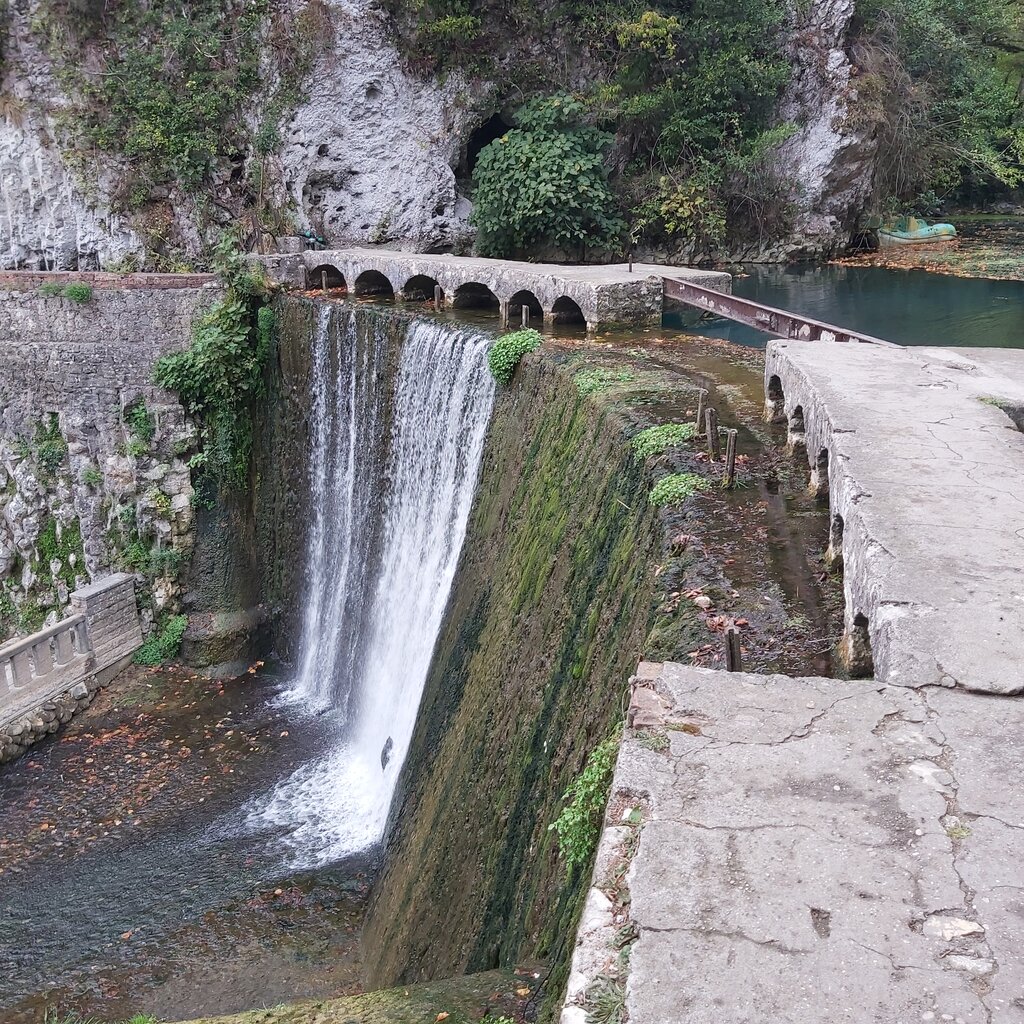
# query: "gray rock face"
{"type": "Point", "coordinates": [46, 220]}
{"type": "Point", "coordinates": [368, 156]}
{"type": "Point", "coordinates": [828, 157]}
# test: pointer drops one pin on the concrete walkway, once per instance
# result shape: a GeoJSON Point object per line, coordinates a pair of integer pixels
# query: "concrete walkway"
{"type": "Point", "coordinates": [808, 851]}
{"type": "Point", "coordinates": [925, 479]}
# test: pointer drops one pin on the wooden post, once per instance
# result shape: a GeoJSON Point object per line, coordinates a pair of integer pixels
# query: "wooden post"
{"type": "Point", "coordinates": [323, 280]}
{"type": "Point", "coordinates": [631, 261]}
{"type": "Point", "coordinates": [503, 313]}
{"type": "Point", "coordinates": [729, 478]}
{"type": "Point", "coordinates": [526, 315]}
{"type": "Point", "coordinates": [714, 442]}
{"type": "Point", "coordinates": [438, 297]}
{"type": "Point", "coordinates": [733, 653]}
{"type": "Point", "coordinates": [700, 411]}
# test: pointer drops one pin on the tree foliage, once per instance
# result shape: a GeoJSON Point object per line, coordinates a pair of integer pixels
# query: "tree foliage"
{"type": "Point", "coordinates": [941, 83]}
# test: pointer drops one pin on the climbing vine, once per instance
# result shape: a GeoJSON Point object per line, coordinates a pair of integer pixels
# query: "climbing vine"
{"type": "Point", "coordinates": [220, 376]}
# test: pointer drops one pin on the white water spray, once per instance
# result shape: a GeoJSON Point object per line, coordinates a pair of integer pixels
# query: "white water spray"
{"type": "Point", "coordinates": [389, 522]}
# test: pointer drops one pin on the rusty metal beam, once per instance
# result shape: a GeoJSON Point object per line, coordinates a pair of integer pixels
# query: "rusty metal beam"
{"type": "Point", "coordinates": [778, 322]}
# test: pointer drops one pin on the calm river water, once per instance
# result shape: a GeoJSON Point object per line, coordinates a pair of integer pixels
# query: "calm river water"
{"type": "Point", "coordinates": [911, 307]}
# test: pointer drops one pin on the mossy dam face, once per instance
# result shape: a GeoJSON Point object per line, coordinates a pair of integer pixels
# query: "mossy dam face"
{"type": "Point", "coordinates": [441, 588]}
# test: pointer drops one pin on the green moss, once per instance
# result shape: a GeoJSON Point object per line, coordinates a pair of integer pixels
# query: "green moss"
{"type": "Point", "coordinates": [599, 379]}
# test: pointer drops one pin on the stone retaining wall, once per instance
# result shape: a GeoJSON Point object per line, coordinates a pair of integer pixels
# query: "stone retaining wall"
{"type": "Point", "coordinates": [47, 678]}
{"type": "Point", "coordinates": [79, 484]}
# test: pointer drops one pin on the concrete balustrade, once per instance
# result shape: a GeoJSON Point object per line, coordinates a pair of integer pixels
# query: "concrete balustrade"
{"type": "Point", "coordinates": [47, 677]}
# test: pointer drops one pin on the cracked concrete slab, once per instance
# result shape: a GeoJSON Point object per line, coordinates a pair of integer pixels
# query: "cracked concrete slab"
{"type": "Point", "coordinates": [809, 851]}
{"type": "Point", "coordinates": [925, 469]}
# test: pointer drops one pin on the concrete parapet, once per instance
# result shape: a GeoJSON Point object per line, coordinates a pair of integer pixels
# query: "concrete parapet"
{"type": "Point", "coordinates": [815, 851]}
{"type": "Point", "coordinates": [924, 474]}
{"type": "Point", "coordinates": [47, 677]}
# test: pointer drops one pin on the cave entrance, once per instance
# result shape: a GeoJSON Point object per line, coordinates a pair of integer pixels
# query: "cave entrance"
{"type": "Point", "coordinates": [480, 137]}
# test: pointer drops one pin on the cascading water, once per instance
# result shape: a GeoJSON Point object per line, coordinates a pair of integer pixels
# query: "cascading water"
{"type": "Point", "coordinates": [391, 508]}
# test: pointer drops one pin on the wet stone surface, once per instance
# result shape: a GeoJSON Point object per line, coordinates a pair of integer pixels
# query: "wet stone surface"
{"type": "Point", "coordinates": [129, 879]}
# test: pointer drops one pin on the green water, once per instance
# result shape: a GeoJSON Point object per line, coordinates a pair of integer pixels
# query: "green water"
{"type": "Point", "coordinates": [910, 307]}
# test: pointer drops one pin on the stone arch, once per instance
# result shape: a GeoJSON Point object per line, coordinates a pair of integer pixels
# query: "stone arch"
{"type": "Point", "coordinates": [819, 475]}
{"type": "Point", "coordinates": [857, 648]}
{"type": "Point", "coordinates": [796, 439]}
{"type": "Point", "coordinates": [525, 300]}
{"type": "Point", "coordinates": [567, 311]}
{"type": "Point", "coordinates": [834, 552]}
{"type": "Point", "coordinates": [474, 295]}
{"type": "Point", "coordinates": [775, 402]}
{"type": "Point", "coordinates": [373, 282]}
{"type": "Point", "coordinates": [420, 288]}
{"type": "Point", "coordinates": [325, 272]}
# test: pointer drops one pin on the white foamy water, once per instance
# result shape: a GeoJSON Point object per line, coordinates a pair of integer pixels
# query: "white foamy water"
{"type": "Point", "coordinates": [390, 510]}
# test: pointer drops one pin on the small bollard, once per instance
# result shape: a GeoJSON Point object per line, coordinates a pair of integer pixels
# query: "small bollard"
{"type": "Point", "coordinates": [526, 315]}
{"type": "Point", "coordinates": [700, 411]}
{"type": "Point", "coordinates": [323, 280]}
{"type": "Point", "coordinates": [438, 297]}
{"type": "Point", "coordinates": [733, 652]}
{"type": "Point", "coordinates": [714, 441]}
{"type": "Point", "coordinates": [729, 477]}
{"type": "Point", "coordinates": [631, 261]}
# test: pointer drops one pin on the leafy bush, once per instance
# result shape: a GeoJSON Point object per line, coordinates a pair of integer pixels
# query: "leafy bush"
{"type": "Point", "coordinates": [78, 292]}
{"type": "Point", "coordinates": [675, 488]}
{"type": "Point", "coordinates": [601, 378]}
{"type": "Point", "coordinates": [220, 376]}
{"type": "Point", "coordinates": [655, 440]}
{"type": "Point", "coordinates": [92, 476]}
{"type": "Point", "coordinates": [544, 184]}
{"type": "Point", "coordinates": [505, 353]}
{"type": "Point", "coordinates": [164, 642]}
{"type": "Point", "coordinates": [51, 289]}
{"type": "Point", "coordinates": [579, 824]}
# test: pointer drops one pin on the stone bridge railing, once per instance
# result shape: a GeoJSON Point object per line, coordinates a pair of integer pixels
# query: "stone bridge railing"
{"type": "Point", "coordinates": [47, 677]}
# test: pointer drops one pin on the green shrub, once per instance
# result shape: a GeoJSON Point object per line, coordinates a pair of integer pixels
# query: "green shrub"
{"type": "Point", "coordinates": [134, 448]}
{"type": "Point", "coordinates": [50, 447]}
{"type": "Point", "coordinates": [164, 642]}
{"type": "Point", "coordinates": [79, 293]}
{"type": "Point", "coordinates": [220, 376]}
{"type": "Point", "coordinates": [505, 353]}
{"type": "Point", "coordinates": [51, 289]}
{"type": "Point", "coordinates": [92, 476]}
{"type": "Point", "coordinates": [139, 420]}
{"type": "Point", "coordinates": [579, 824]}
{"type": "Point", "coordinates": [655, 440]}
{"type": "Point", "coordinates": [601, 378]}
{"type": "Point", "coordinates": [675, 488]}
{"type": "Point", "coordinates": [544, 184]}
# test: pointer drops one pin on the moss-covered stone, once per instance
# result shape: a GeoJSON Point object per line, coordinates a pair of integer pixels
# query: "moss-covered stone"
{"type": "Point", "coordinates": [544, 627]}
{"type": "Point", "coordinates": [463, 1000]}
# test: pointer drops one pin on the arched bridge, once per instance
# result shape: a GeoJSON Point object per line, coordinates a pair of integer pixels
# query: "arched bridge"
{"type": "Point", "coordinates": [600, 297]}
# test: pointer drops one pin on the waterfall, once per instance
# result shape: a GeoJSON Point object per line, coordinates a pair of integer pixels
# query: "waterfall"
{"type": "Point", "coordinates": [390, 508]}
